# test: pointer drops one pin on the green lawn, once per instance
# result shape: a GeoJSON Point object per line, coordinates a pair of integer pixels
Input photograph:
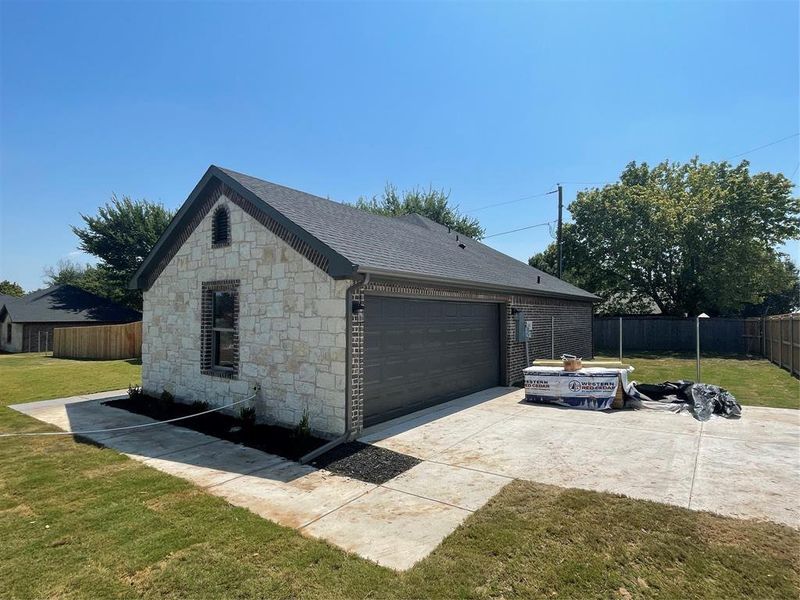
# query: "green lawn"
{"type": "Point", "coordinates": [754, 381]}
{"type": "Point", "coordinates": [36, 376]}
{"type": "Point", "coordinates": [78, 521]}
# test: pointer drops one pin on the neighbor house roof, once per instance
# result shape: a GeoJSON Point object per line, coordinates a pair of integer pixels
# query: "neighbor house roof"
{"type": "Point", "coordinates": [6, 298]}
{"type": "Point", "coordinates": [356, 241]}
{"type": "Point", "coordinates": [67, 303]}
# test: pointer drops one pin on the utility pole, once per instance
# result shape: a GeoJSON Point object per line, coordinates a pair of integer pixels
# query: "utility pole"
{"type": "Point", "coordinates": [560, 241]}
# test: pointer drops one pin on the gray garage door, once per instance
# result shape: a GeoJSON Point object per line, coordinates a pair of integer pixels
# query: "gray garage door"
{"type": "Point", "coordinates": [423, 352]}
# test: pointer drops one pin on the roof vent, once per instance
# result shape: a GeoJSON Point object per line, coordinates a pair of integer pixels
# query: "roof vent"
{"type": "Point", "coordinates": [538, 279]}
{"type": "Point", "coordinates": [461, 245]}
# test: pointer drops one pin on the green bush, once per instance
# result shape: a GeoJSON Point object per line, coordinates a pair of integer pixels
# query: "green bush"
{"type": "Point", "coordinates": [247, 415]}
{"type": "Point", "coordinates": [302, 430]}
{"type": "Point", "coordinates": [200, 406]}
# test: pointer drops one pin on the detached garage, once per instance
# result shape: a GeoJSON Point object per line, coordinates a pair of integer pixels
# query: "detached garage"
{"type": "Point", "coordinates": [339, 315]}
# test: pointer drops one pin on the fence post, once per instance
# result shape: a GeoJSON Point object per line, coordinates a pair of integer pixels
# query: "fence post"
{"type": "Point", "coordinates": [791, 344]}
{"type": "Point", "coordinates": [697, 321]}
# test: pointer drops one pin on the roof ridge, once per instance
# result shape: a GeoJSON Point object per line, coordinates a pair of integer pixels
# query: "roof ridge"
{"type": "Point", "coordinates": [347, 205]}
{"type": "Point", "coordinates": [45, 292]}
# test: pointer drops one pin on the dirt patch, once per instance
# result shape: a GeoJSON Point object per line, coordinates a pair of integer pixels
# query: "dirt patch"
{"type": "Point", "coordinates": [169, 501]}
{"type": "Point", "coordinates": [365, 462]}
{"type": "Point", "coordinates": [267, 438]}
{"type": "Point", "coordinates": [20, 510]}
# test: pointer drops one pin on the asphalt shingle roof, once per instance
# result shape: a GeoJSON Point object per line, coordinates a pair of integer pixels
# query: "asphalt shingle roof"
{"type": "Point", "coordinates": [406, 246]}
{"type": "Point", "coordinates": [67, 303]}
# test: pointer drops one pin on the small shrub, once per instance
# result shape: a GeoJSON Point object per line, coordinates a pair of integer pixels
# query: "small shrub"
{"type": "Point", "coordinates": [302, 430]}
{"type": "Point", "coordinates": [135, 393]}
{"type": "Point", "coordinates": [247, 415]}
{"type": "Point", "coordinates": [200, 406]}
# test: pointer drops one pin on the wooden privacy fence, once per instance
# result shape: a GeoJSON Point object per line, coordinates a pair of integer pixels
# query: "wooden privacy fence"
{"type": "Point", "coordinates": [102, 342]}
{"type": "Point", "coordinates": [776, 338]}
{"type": "Point", "coordinates": [780, 341]}
{"type": "Point", "coordinates": [669, 334]}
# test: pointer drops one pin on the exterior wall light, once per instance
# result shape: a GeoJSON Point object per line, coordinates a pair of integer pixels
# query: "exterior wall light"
{"type": "Point", "coordinates": [358, 307]}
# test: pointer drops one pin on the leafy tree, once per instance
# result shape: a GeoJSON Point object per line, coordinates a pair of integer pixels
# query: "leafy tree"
{"type": "Point", "coordinates": [65, 272]}
{"type": "Point", "coordinates": [11, 288]}
{"type": "Point", "coordinates": [430, 203]}
{"type": "Point", "coordinates": [685, 238]}
{"type": "Point", "coordinates": [121, 235]}
{"type": "Point", "coordinates": [786, 280]}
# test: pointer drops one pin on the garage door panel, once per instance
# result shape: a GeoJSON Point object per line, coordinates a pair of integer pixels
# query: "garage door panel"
{"type": "Point", "coordinates": [422, 352]}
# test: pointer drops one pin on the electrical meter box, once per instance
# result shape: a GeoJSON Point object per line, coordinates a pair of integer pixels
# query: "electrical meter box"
{"type": "Point", "coordinates": [524, 328]}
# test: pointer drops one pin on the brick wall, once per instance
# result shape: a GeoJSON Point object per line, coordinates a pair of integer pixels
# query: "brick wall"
{"type": "Point", "coordinates": [573, 331]}
{"type": "Point", "coordinates": [573, 328]}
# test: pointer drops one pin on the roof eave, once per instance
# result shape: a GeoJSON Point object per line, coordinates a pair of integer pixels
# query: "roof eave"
{"type": "Point", "coordinates": [339, 267]}
{"type": "Point", "coordinates": [407, 276]}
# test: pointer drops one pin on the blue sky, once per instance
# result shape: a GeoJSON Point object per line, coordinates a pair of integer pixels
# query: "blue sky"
{"type": "Point", "coordinates": [493, 101]}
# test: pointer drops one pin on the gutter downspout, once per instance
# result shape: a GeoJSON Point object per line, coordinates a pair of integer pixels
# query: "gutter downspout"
{"type": "Point", "coordinates": [348, 394]}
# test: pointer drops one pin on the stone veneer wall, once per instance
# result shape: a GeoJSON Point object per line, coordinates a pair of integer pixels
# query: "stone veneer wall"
{"type": "Point", "coordinates": [573, 329]}
{"type": "Point", "coordinates": [292, 323]}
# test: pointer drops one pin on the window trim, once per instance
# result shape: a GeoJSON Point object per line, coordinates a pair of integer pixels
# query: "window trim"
{"type": "Point", "coordinates": [207, 329]}
{"type": "Point", "coordinates": [8, 333]}
{"type": "Point", "coordinates": [215, 330]}
{"type": "Point", "coordinates": [216, 241]}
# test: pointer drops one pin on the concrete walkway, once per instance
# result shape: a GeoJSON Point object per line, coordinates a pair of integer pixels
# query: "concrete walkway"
{"type": "Point", "coordinates": [395, 524]}
{"type": "Point", "coordinates": [747, 468]}
{"type": "Point", "coordinates": [472, 447]}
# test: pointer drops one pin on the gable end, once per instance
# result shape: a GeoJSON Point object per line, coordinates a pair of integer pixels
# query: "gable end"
{"type": "Point", "coordinates": [200, 204]}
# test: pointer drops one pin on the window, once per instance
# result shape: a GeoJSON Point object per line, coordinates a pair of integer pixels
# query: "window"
{"type": "Point", "coordinates": [8, 333]}
{"type": "Point", "coordinates": [222, 331]}
{"type": "Point", "coordinates": [221, 227]}
{"type": "Point", "coordinates": [220, 328]}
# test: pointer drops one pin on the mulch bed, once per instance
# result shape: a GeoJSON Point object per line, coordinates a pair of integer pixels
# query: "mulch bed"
{"type": "Point", "coordinates": [365, 462]}
{"type": "Point", "coordinates": [267, 438]}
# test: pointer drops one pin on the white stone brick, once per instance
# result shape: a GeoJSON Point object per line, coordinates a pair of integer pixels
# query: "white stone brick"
{"type": "Point", "coordinates": [282, 297]}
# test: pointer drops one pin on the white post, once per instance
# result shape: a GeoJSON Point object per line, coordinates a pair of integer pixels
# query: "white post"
{"type": "Point", "coordinates": [552, 338]}
{"type": "Point", "coordinates": [697, 325]}
{"type": "Point", "coordinates": [620, 339]}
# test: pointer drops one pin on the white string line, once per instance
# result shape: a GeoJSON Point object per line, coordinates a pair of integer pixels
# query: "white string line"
{"type": "Point", "coordinates": [205, 412]}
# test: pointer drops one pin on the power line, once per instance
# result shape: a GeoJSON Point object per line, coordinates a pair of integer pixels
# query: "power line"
{"type": "Point", "coordinates": [588, 182]}
{"type": "Point", "coordinates": [767, 145]}
{"type": "Point", "coordinates": [507, 202]}
{"type": "Point", "coordinates": [510, 201]}
{"type": "Point", "coordinates": [520, 229]}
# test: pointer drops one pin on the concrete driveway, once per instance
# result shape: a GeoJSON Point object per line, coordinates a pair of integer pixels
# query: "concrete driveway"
{"type": "Point", "coordinates": [470, 448]}
{"type": "Point", "coordinates": [747, 468]}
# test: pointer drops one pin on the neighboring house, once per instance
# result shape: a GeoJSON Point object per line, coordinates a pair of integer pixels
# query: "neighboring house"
{"type": "Point", "coordinates": [27, 323]}
{"type": "Point", "coordinates": [347, 316]}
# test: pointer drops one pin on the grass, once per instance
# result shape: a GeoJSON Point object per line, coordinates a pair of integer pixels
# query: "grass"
{"type": "Point", "coordinates": [754, 381]}
{"type": "Point", "coordinates": [80, 521]}
{"type": "Point", "coordinates": [37, 376]}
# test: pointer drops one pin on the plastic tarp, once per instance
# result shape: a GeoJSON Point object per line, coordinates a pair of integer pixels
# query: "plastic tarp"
{"type": "Point", "coordinates": [700, 399]}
